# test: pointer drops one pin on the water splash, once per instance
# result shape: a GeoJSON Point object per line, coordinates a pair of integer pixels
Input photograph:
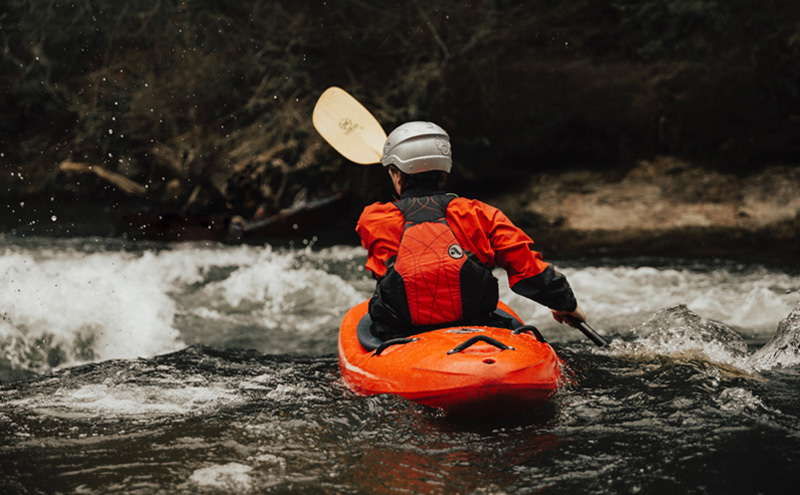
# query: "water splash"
{"type": "Point", "coordinates": [275, 291]}
{"type": "Point", "coordinates": [231, 477]}
{"type": "Point", "coordinates": [68, 307]}
{"type": "Point", "coordinates": [621, 295]}
{"type": "Point", "coordinates": [784, 348]}
{"type": "Point", "coordinates": [67, 302]}
{"type": "Point", "coordinates": [678, 331]}
{"type": "Point", "coordinates": [79, 303]}
{"type": "Point", "coordinates": [192, 382]}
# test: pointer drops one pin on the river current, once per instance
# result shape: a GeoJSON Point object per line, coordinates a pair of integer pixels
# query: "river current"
{"type": "Point", "coordinates": [143, 368]}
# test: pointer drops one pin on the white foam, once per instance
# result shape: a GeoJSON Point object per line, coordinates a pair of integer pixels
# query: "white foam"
{"type": "Point", "coordinates": [113, 302]}
{"type": "Point", "coordinates": [740, 401]}
{"type": "Point", "coordinates": [784, 348]}
{"type": "Point", "coordinates": [131, 400]}
{"type": "Point", "coordinates": [69, 306]}
{"type": "Point", "coordinates": [276, 291]}
{"type": "Point", "coordinates": [232, 477]}
{"type": "Point", "coordinates": [621, 297]}
{"type": "Point", "coordinates": [66, 306]}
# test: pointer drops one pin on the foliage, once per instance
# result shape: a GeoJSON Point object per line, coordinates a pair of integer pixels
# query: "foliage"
{"type": "Point", "coordinates": [208, 103]}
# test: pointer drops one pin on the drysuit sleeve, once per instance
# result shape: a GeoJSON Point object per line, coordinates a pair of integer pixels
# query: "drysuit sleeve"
{"type": "Point", "coordinates": [550, 288]}
{"type": "Point", "coordinates": [380, 227]}
{"type": "Point", "coordinates": [528, 274]}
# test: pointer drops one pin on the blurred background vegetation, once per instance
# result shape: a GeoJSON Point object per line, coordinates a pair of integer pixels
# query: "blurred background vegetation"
{"type": "Point", "coordinates": [204, 105]}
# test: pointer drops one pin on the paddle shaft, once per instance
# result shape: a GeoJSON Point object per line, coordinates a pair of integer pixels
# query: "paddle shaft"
{"type": "Point", "coordinates": [588, 331]}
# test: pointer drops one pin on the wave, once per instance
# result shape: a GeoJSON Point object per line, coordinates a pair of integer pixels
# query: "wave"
{"type": "Point", "coordinates": [72, 305]}
{"type": "Point", "coordinates": [681, 334]}
{"type": "Point", "coordinates": [74, 301]}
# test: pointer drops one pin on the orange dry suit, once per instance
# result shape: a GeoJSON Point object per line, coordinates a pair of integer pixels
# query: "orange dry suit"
{"type": "Point", "coordinates": [433, 254]}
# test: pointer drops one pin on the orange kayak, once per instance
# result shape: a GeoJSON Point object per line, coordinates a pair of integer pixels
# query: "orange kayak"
{"type": "Point", "coordinates": [465, 371]}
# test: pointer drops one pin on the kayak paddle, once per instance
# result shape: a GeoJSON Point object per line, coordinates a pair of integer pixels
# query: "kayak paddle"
{"type": "Point", "coordinates": [358, 136]}
{"type": "Point", "coordinates": [588, 331]}
{"type": "Point", "coordinates": [349, 127]}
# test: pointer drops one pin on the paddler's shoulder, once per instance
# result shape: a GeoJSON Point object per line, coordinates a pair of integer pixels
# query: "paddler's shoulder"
{"type": "Point", "coordinates": [462, 204]}
{"type": "Point", "coordinates": [378, 210]}
{"type": "Point", "coordinates": [379, 206]}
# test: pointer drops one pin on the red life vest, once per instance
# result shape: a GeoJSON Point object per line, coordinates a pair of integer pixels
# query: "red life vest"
{"type": "Point", "coordinates": [432, 280]}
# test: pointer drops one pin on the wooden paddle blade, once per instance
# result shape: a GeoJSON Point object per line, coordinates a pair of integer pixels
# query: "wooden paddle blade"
{"type": "Point", "coordinates": [349, 127]}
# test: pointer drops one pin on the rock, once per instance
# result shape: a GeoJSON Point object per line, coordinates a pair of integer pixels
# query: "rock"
{"type": "Point", "coordinates": [662, 206]}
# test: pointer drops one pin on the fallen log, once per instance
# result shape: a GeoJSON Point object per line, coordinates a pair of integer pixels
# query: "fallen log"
{"type": "Point", "coordinates": [118, 180]}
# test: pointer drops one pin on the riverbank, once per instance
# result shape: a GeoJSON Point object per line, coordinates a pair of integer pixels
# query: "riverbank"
{"type": "Point", "coordinates": [187, 111]}
{"type": "Point", "coordinates": [663, 206]}
{"type": "Point", "coordinates": [660, 207]}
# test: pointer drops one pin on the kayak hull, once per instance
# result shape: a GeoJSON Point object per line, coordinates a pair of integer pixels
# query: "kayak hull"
{"type": "Point", "coordinates": [472, 371]}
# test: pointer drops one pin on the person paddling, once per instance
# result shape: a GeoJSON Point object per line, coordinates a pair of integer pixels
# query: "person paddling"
{"type": "Point", "coordinates": [432, 252]}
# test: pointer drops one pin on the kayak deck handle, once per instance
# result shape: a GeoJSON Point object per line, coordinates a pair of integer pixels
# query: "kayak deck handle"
{"type": "Point", "coordinates": [479, 338]}
{"type": "Point", "coordinates": [531, 330]}
{"type": "Point", "coordinates": [392, 342]}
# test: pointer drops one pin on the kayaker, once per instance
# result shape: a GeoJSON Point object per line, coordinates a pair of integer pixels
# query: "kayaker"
{"type": "Point", "coordinates": [432, 252]}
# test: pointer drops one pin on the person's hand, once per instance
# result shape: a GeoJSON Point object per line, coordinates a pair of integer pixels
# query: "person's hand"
{"type": "Point", "coordinates": [578, 313]}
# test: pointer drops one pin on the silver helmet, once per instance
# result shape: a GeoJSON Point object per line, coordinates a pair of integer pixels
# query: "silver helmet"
{"type": "Point", "coordinates": [416, 147]}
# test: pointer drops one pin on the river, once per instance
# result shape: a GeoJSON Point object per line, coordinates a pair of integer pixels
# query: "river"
{"type": "Point", "coordinates": [147, 368]}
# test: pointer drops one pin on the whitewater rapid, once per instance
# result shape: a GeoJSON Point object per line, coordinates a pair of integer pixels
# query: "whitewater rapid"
{"type": "Point", "coordinates": [66, 302]}
{"type": "Point", "coordinates": [178, 368]}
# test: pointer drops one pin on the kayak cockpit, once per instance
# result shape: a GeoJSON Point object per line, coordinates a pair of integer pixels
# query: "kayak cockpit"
{"type": "Point", "coordinates": [371, 342]}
